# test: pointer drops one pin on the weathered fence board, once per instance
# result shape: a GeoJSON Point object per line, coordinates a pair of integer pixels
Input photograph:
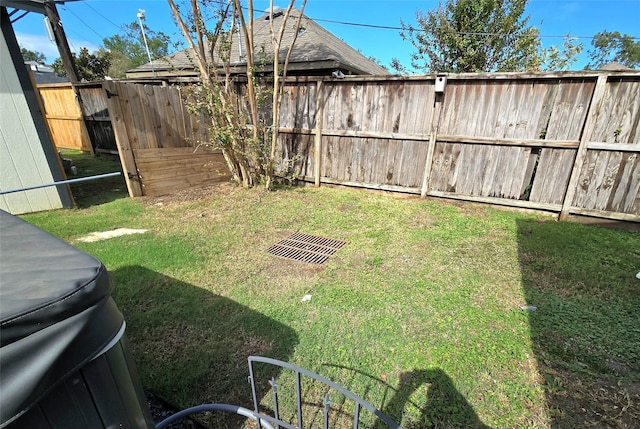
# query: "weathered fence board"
{"type": "Point", "coordinates": [552, 175]}
{"type": "Point", "coordinates": [618, 119]}
{"type": "Point", "coordinates": [164, 170]}
{"type": "Point", "coordinates": [609, 181]}
{"type": "Point", "coordinates": [119, 119]}
{"type": "Point", "coordinates": [96, 117]}
{"type": "Point", "coordinates": [298, 153]}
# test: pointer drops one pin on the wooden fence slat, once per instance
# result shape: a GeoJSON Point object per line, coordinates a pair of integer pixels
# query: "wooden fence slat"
{"type": "Point", "coordinates": [598, 93]}
{"type": "Point", "coordinates": [598, 180]}
{"type": "Point", "coordinates": [159, 172]}
{"type": "Point", "coordinates": [182, 182]}
{"type": "Point", "coordinates": [195, 162]}
{"type": "Point", "coordinates": [608, 188]}
{"type": "Point", "coordinates": [317, 168]}
{"type": "Point", "coordinates": [627, 185]}
{"type": "Point", "coordinates": [173, 152]}
{"type": "Point", "coordinates": [118, 120]}
{"type": "Point", "coordinates": [433, 136]}
{"type": "Point", "coordinates": [617, 147]}
{"type": "Point", "coordinates": [377, 186]}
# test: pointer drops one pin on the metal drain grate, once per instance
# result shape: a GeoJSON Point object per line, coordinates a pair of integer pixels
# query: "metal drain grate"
{"type": "Point", "coordinates": [306, 248]}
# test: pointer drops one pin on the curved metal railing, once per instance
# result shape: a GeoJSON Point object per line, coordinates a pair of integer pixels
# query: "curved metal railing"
{"type": "Point", "coordinates": [274, 421]}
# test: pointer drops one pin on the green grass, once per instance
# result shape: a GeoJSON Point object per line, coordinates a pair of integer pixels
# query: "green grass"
{"type": "Point", "coordinates": [419, 313]}
{"type": "Point", "coordinates": [97, 191]}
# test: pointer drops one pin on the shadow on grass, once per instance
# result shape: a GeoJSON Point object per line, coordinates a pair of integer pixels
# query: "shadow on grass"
{"type": "Point", "coordinates": [442, 407]}
{"type": "Point", "coordinates": [99, 191]}
{"type": "Point", "coordinates": [586, 329]}
{"type": "Point", "coordinates": [191, 345]}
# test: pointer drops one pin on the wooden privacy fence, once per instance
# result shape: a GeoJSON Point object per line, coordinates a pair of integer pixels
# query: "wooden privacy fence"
{"type": "Point", "coordinates": [96, 117]}
{"type": "Point", "coordinates": [156, 140]}
{"type": "Point", "coordinates": [564, 142]}
{"type": "Point", "coordinates": [64, 117]}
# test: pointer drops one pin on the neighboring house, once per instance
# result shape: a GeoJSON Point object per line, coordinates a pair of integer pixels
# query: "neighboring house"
{"type": "Point", "coordinates": [317, 52]}
{"type": "Point", "coordinates": [43, 74]}
{"type": "Point", "coordinates": [27, 156]}
{"type": "Point", "coordinates": [615, 66]}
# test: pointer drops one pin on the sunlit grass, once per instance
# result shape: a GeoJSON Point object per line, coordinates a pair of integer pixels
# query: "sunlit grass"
{"type": "Point", "coordinates": [419, 313]}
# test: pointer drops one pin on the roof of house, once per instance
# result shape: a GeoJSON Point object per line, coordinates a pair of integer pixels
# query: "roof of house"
{"type": "Point", "coordinates": [615, 66]}
{"type": "Point", "coordinates": [315, 49]}
{"type": "Point", "coordinates": [44, 74]}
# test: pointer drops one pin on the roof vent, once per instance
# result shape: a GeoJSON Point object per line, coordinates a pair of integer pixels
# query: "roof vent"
{"type": "Point", "coordinates": [277, 11]}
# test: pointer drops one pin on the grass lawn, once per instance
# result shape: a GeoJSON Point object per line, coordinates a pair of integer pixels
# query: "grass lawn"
{"type": "Point", "coordinates": [98, 191]}
{"type": "Point", "coordinates": [419, 313]}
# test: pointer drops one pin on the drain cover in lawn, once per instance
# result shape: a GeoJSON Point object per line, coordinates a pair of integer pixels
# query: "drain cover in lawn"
{"type": "Point", "coordinates": [306, 248]}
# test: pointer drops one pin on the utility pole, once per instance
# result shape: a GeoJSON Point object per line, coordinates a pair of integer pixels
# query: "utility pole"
{"type": "Point", "coordinates": [61, 41]}
{"type": "Point", "coordinates": [144, 37]}
{"type": "Point", "coordinates": [69, 64]}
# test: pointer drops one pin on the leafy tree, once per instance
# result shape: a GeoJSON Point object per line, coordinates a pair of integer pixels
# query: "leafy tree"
{"type": "Point", "coordinates": [560, 59]}
{"type": "Point", "coordinates": [396, 65]}
{"type": "Point", "coordinates": [250, 152]}
{"type": "Point", "coordinates": [377, 61]}
{"type": "Point", "coordinates": [128, 50]}
{"type": "Point", "coordinates": [474, 36]}
{"type": "Point", "coordinates": [36, 56]}
{"type": "Point", "coordinates": [90, 66]}
{"type": "Point", "coordinates": [608, 46]}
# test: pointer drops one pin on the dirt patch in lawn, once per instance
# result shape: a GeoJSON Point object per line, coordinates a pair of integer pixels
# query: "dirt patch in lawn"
{"type": "Point", "coordinates": [596, 402]}
{"type": "Point", "coordinates": [191, 195]}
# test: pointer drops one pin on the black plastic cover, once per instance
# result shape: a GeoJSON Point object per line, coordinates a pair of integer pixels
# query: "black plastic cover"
{"type": "Point", "coordinates": [56, 313]}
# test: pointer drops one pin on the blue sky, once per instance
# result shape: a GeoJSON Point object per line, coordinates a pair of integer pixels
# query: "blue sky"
{"type": "Point", "coordinates": [88, 22]}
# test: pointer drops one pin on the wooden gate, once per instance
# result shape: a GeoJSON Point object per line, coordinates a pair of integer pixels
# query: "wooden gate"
{"type": "Point", "coordinates": [158, 141]}
{"type": "Point", "coordinates": [64, 117]}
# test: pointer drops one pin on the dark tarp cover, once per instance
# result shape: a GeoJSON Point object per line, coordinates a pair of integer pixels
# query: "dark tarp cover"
{"type": "Point", "coordinates": [56, 313]}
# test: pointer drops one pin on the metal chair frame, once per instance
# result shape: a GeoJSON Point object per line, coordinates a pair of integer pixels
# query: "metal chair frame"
{"type": "Point", "coordinates": [274, 422]}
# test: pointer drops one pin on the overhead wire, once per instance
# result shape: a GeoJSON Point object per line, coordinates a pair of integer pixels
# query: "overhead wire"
{"type": "Point", "coordinates": [353, 24]}
{"type": "Point", "coordinates": [86, 3]}
{"type": "Point", "coordinates": [66, 9]}
{"type": "Point", "coordinates": [462, 33]}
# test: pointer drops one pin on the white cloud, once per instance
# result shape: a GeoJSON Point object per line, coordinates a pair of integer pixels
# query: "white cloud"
{"type": "Point", "coordinates": [76, 44]}
{"type": "Point", "coordinates": [41, 43]}
{"type": "Point", "coordinates": [36, 42]}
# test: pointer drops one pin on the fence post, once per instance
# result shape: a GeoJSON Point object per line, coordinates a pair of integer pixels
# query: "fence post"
{"type": "Point", "coordinates": [433, 136]}
{"type": "Point", "coordinates": [318, 132]}
{"type": "Point", "coordinates": [581, 154]}
{"type": "Point", "coordinates": [122, 139]}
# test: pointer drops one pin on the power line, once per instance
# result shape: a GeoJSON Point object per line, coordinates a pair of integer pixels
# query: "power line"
{"type": "Point", "coordinates": [104, 17]}
{"type": "Point", "coordinates": [462, 33]}
{"type": "Point", "coordinates": [362, 25]}
{"type": "Point", "coordinates": [66, 9]}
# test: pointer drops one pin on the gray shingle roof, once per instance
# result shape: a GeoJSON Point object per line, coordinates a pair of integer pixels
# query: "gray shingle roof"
{"type": "Point", "coordinates": [315, 48]}
{"type": "Point", "coordinates": [43, 74]}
